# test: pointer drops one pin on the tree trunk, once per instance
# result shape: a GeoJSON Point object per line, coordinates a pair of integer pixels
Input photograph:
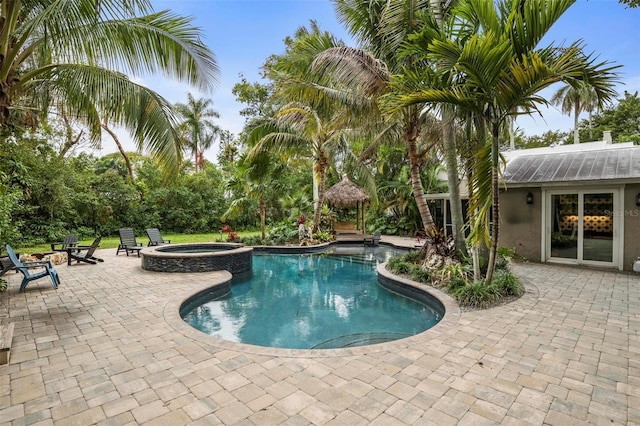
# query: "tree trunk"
{"type": "Point", "coordinates": [122, 151]}
{"type": "Point", "coordinates": [495, 208]}
{"type": "Point", "coordinates": [411, 137]}
{"type": "Point", "coordinates": [576, 113]}
{"type": "Point", "coordinates": [322, 172]}
{"type": "Point", "coordinates": [451, 162]}
{"type": "Point", "coordinates": [450, 157]}
{"type": "Point", "coordinates": [263, 215]}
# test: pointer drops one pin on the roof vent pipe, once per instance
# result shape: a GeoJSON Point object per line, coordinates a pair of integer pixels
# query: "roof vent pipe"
{"type": "Point", "coordinates": [606, 137]}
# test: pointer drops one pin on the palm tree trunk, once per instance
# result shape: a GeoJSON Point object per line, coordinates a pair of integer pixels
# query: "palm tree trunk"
{"type": "Point", "coordinates": [576, 113]}
{"type": "Point", "coordinates": [451, 162]}
{"type": "Point", "coordinates": [495, 207]}
{"type": "Point", "coordinates": [322, 172]}
{"type": "Point", "coordinates": [416, 183]}
{"type": "Point", "coordinates": [450, 157]}
{"type": "Point", "coordinates": [263, 215]}
{"type": "Point", "coordinates": [122, 151]}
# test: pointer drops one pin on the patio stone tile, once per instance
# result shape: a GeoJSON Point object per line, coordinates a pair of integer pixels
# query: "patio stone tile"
{"type": "Point", "coordinates": [233, 413]}
{"type": "Point", "coordinates": [368, 407]}
{"type": "Point", "coordinates": [199, 408]}
{"type": "Point", "coordinates": [261, 402]}
{"type": "Point", "coordinates": [149, 411]}
{"type": "Point", "coordinates": [348, 418]}
{"type": "Point", "coordinates": [404, 412]}
{"type": "Point", "coordinates": [119, 406]}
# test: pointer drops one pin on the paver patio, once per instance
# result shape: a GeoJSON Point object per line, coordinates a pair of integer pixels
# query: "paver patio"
{"type": "Point", "coordinates": [105, 349]}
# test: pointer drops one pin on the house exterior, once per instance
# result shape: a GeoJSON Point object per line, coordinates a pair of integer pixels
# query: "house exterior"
{"type": "Point", "coordinates": [574, 204]}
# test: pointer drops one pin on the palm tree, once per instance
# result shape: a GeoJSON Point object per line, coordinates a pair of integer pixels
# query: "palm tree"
{"type": "Point", "coordinates": [198, 131]}
{"type": "Point", "coordinates": [302, 131]}
{"type": "Point", "coordinates": [310, 124]}
{"type": "Point", "coordinates": [75, 54]}
{"type": "Point", "coordinates": [498, 68]}
{"type": "Point", "coordinates": [575, 97]}
{"type": "Point", "coordinates": [382, 28]}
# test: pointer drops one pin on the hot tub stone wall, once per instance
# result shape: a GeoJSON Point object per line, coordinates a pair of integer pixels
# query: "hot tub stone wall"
{"type": "Point", "coordinates": [237, 262]}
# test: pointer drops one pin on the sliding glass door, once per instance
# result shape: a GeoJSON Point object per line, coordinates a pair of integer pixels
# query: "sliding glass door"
{"type": "Point", "coordinates": [582, 226]}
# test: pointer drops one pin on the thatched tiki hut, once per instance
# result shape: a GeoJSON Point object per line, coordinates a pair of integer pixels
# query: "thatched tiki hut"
{"type": "Point", "coordinates": [346, 194]}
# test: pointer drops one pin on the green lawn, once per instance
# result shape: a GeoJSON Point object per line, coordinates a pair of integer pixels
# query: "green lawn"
{"type": "Point", "coordinates": [112, 242]}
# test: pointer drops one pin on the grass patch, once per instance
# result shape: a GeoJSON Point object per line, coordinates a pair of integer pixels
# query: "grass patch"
{"type": "Point", "coordinates": [114, 241]}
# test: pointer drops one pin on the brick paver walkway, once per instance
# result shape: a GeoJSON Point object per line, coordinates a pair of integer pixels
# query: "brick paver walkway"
{"type": "Point", "coordinates": [104, 349]}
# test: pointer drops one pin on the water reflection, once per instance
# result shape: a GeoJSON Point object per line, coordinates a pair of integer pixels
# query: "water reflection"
{"type": "Point", "coordinates": [306, 301]}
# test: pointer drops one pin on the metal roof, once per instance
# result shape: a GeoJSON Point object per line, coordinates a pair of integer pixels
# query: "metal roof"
{"type": "Point", "coordinates": [598, 165]}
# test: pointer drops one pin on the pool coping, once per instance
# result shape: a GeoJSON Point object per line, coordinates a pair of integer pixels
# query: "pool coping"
{"type": "Point", "coordinates": [449, 320]}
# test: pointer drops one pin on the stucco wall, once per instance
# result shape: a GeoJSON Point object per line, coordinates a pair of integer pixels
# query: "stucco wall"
{"type": "Point", "coordinates": [521, 222]}
{"type": "Point", "coordinates": [631, 226]}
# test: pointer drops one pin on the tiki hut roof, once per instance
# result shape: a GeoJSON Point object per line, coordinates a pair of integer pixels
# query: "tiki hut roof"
{"type": "Point", "coordinates": [345, 194]}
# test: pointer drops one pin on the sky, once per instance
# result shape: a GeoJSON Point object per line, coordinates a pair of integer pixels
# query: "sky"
{"type": "Point", "coordinates": [243, 33]}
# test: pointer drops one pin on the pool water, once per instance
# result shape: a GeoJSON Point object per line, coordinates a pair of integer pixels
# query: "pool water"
{"type": "Point", "coordinates": [331, 300]}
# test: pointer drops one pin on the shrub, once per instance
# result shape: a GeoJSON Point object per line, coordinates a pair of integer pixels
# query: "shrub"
{"type": "Point", "coordinates": [507, 284]}
{"type": "Point", "coordinates": [454, 284]}
{"type": "Point", "coordinates": [322, 237]}
{"type": "Point", "coordinates": [477, 295]}
{"type": "Point", "coordinates": [420, 274]}
{"type": "Point", "coordinates": [413, 256]}
{"type": "Point", "coordinates": [399, 266]}
{"type": "Point", "coordinates": [254, 240]}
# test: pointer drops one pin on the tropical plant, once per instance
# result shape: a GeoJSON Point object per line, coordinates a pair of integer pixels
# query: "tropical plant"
{"type": "Point", "coordinates": [381, 27]}
{"type": "Point", "coordinates": [310, 124]}
{"type": "Point", "coordinates": [197, 130]}
{"type": "Point", "coordinates": [574, 98]}
{"type": "Point", "coordinates": [73, 57]}
{"type": "Point", "coordinates": [498, 67]}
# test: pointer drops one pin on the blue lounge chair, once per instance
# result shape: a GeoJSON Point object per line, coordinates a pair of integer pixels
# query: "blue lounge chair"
{"type": "Point", "coordinates": [26, 266]}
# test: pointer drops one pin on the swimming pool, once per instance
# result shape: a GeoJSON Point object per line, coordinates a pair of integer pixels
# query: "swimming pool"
{"type": "Point", "coordinates": [331, 300]}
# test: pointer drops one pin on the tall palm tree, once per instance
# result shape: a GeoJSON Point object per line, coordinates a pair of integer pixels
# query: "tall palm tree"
{"type": "Point", "coordinates": [382, 27]}
{"type": "Point", "coordinates": [76, 54]}
{"type": "Point", "coordinates": [499, 67]}
{"type": "Point", "coordinates": [574, 98]}
{"type": "Point", "coordinates": [198, 131]}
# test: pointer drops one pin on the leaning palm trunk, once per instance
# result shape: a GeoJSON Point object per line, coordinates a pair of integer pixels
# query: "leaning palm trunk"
{"type": "Point", "coordinates": [416, 183]}
{"type": "Point", "coordinates": [127, 161]}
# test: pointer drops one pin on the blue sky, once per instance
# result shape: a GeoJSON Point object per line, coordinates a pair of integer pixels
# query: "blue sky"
{"type": "Point", "coordinates": [243, 33]}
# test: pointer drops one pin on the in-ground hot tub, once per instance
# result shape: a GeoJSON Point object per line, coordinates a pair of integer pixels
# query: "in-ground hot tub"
{"type": "Point", "coordinates": [198, 257]}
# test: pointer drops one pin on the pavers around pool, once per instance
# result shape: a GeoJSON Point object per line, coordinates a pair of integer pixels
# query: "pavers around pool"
{"type": "Point", "coordinates": [105, 348]}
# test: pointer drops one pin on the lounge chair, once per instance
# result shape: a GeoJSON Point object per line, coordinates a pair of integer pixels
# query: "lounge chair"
{"type": "Point", "coordinates": [155, 238]}
{"type": "Point", "coordinates": [70, 240]}
{"type": "Point", "coordinates": [372, 240]}
{"type": "Point", "coordinates": [26, 266]}
{"type": "Point", "coordinates": [128, 241]}
{"type": "Point", "coordinates": [84, 253]}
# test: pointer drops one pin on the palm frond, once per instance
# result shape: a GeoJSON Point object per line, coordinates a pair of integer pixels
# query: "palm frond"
{"type": "Point", "coordinates": [91, 92]}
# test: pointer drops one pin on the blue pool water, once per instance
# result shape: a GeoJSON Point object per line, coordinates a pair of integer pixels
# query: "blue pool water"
{"type": "Point", "coordinates": [331, 300]}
